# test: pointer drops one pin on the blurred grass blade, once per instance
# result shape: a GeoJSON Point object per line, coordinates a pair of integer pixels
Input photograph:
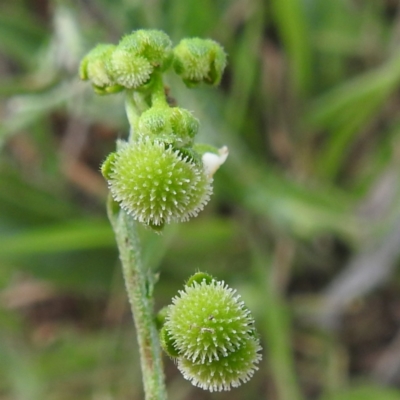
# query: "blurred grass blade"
{"type": "Point", "coordinates": [72, 236]}
{"type": "Point", "coordinates": [245, 67]}
{"type": "Point", "coordinates": [23, 377]}
{"type": "Point", "coordinates": [276, 328]}
{"type": "Point", "coordinates": [21, 34]}
{"type": "Point", "coordinates": [347, 109]}
{"type": "Point", "coordinates": [330, 160]}
{"type": "Point", "coordinates": [25, 109]}
{"type": "Point", "coordinates": [337, 105]}
{"type": "Point", "coordinates": [298, 209]}
{"type": "Point", "coordinates": [25, 202]}
{"type": "Point", "coordinates": [290, 17]}
{"type": "Point", "coordinates": [367, 392]}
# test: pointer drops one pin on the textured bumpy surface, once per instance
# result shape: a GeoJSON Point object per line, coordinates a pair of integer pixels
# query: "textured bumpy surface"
{"type": "Point", "coordinates": [199, 60]}
{"type": "Point", "coordinates": [207, 321]}
{"type": "Point", "coordinates": [157, 184]}
{"type": "Point", "coordinates": [169, 124]}
{"type": "Point", "coordinates": [213, 336]}
{"type": "Point", "coordinates": [130, 72]}
{"type": "Point", "coordinates": [95, 67]}
{"type": "Point", "coordinates": [226, 372]}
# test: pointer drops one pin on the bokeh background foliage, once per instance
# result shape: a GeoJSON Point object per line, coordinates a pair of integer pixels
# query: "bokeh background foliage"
{"type": "Point", "coordinates": [304, 221]}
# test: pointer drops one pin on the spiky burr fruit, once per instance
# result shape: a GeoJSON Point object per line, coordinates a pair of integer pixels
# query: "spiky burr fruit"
{"type": "Point", "coordinates": [211, 334]}
{"type": "Point", "coordinates": [156, 183]}
{"type": "Point", "coordinates": [225, 373]}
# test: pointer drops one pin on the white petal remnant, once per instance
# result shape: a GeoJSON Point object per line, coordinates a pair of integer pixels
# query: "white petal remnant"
{"type": "Point", "coordinates": [212, 161]}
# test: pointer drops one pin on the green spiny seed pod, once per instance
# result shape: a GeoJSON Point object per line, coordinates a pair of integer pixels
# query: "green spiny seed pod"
{"type": "Point", "coordinates": [226, 372]}
{"type": "Point", "coordinates": [207, 321]}
{"type": "Point", "coordinates": [156, 184]}
{"type": "Point", "coordinates": [172, 125]}
{"type": "Point", "coordinates": [199, 60]}
{"type": "Point", "coordinates": [95, 67]}
{"type": "Point", "coordinates": [210, 333]}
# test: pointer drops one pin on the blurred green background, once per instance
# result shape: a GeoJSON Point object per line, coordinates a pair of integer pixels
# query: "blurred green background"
{"type": "Point", "coordinates": [304, 222]}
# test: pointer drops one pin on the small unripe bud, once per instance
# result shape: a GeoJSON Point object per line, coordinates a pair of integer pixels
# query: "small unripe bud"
{"type": "Point", "coordinates": [156, 183]}
{"type": "Point", "coordinates": [199, 60]}
{"type": "Point", "coordinates": [198, 278]}
{"type": "Point", "coordinates": [107, 166]}
{"type": "Point", "coordinates": [167, 343]}
{"type": "Point", "coordinates": [95, 67]}
{"type": "Point", "coordinates": [128, 70]}
{"type": "Point", "coordinates": [138, 55]}
{"type": "Point", "coordinates": [155, 46]}
{"type": "Point", "coordinates": [184, 124]}
{"type": "Point", "coordinates": [172, 125]}
{"type": "Point", "coordinates": [155, 123]}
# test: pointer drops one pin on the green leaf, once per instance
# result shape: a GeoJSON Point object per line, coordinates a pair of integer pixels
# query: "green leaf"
{"type": "Point", "coordinates": [293, 28]}
{"type": "Point", "coordinates": [365, 393]}
{"type": "Point", "coordinates": [71, 236]}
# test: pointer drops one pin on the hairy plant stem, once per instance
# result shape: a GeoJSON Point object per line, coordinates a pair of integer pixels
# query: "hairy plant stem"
{"type": "Point", "coordinates": [139, 284]}
{"type": "Point", "coordinates": [135, 104]}
{"type": "Point", "coordinates": [158, 97]}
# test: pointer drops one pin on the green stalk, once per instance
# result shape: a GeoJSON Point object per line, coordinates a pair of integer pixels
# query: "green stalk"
{"type": "Point", "coordinates": [158, 96]}
{"type": "Point", "coordinates": [135, 104]}
{"type": "Point", "coordinates": [139, 286]}
{"type": "Point", "coordinates": [131, 110]}
{"type": "Point", "coordinates": [277, 328]}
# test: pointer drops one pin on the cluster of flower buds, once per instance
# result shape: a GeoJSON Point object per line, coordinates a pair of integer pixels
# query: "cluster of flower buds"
{"type": "Point", "coordinates": [138, 56]}
{"type": "Point", "coordinates": [160, 175]}
{"type": "Point", "coordinates": [210, 333]}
